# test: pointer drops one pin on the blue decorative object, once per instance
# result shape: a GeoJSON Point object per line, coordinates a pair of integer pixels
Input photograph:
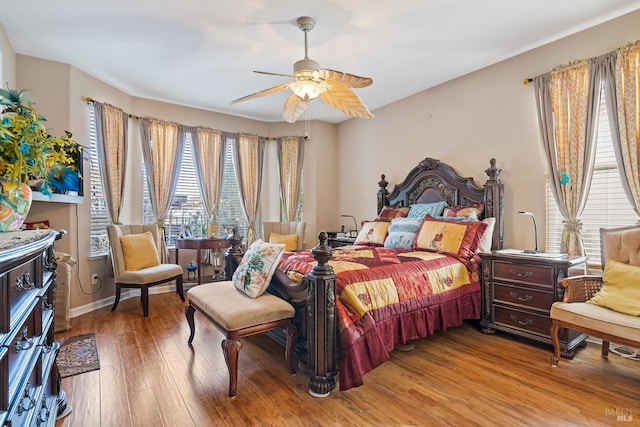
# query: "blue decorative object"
{"type": "Point", "coordinates": [191, 270]}
{"type": "Point", "coordinates": [564, 178]}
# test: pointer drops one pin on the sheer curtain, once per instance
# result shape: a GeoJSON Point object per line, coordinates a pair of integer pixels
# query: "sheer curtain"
{"type": "Point", "coordinates": [567, 100]}
{"type": "Point", "coordinates": [112, 137]}
{"type": "Point", "coordinates": [209, 154]}
{"type": "Point", "coordinates": [162, 148]}
{"type": "Point", "coordinates": [248, 157]}
{"type": "Point", "coordinates": [623, 74]}
{"type": "Point", "coordinates": [290, 163]}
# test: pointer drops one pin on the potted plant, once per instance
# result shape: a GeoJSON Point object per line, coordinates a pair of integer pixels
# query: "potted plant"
{"type": "Point", "coordinates": [29, 156]}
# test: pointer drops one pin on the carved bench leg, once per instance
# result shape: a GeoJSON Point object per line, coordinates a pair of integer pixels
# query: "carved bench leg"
{"type": "Point", "coordinates": [292, 337]}
{"type": "Point", "coordinates": [189, 311]}
{"type": "Point", "coordinates": [230, 348]}
{"type": "Point", "coordinates": [555, 328]}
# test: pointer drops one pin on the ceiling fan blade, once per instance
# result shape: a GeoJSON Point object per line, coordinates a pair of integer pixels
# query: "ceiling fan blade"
{"type": "Point", "coordinates": [274, 74]}
{"type": "Point", "coordinates": [262, 93]}
{"type": "Point", "coordinates": [346, 79]}
{"type": "Point", "coordinates": [294, 107]}
{"type": "Point", "coordinates": [343, 99]}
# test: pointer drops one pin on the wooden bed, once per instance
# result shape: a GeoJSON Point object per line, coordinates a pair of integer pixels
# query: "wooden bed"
{"type": "Point", "coordinates": [315, 297]}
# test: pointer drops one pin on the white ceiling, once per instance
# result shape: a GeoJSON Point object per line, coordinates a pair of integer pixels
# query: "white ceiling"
{"type": "Point", "coordinates": [201, 53]}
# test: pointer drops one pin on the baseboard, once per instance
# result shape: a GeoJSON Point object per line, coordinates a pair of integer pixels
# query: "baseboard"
{"type": "Point", "coordinates": [131, 293]}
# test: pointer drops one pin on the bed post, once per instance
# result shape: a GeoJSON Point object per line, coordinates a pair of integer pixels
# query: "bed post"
{"type": "Point", "coordinates": [322, 329]}
{"type": "Point", "coordinates": [494, 203]}
{"type": "Point", "coordinates": [383, 193]}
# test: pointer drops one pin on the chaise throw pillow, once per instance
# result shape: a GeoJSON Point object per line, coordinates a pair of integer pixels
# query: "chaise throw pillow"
{"type": "Point", "coordinates": [290, 240]}
{"type": "Point", "coordinates": [621, 288]}
{"type": "Point", "coordinates": [139, 251]}
{"type": "Point", "coordinates": [258, 264]}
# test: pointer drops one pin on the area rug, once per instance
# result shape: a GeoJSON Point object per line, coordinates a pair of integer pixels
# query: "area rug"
{"type": "Point", "coordinates": [625, 351]}
{"type": "Point", "coordinates": [78, 355]}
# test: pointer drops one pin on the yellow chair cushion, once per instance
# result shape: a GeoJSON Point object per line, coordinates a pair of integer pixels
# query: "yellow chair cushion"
{"type": "Point", "coordinates": [621, 288]}
{"type": "Point", "coordinates": [290, 240]}
{"type": "Point", "coordinates": [139, 251]}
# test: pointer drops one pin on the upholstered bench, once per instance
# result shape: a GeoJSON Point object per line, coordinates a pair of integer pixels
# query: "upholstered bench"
{"type": "Point", "coordinates": [238, 315]}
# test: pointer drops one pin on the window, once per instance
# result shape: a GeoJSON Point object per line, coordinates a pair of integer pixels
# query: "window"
{"type": "Point", "coordinates": [607, 206]}
{"type": "Point", "coordinates": [187, 211]}
{"type": "Point", "coordinates": [98, 206]}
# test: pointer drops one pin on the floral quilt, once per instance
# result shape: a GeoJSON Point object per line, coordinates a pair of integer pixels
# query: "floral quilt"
{"type": "Point", "coordinates": [390, 296]}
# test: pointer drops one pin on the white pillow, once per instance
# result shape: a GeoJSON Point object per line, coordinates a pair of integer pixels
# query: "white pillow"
{"type": "Point", "coordinates": [487, 237]}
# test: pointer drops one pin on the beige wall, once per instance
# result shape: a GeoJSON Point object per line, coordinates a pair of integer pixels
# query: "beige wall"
{"type": "Point", "coordinates": [465, 122]}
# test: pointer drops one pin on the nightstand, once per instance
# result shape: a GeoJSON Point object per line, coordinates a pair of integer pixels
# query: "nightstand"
{"type": "Point", "coordinates": [518, 290]}
{"type": "Point", "coordinates": [336, 242]}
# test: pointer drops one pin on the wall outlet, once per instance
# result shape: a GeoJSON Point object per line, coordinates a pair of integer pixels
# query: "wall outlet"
{"type": "Point", "coordinates": [94, 278]}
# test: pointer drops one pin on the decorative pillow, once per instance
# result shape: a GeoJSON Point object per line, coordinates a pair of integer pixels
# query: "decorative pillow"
{"type": "Point", "coordinates": [466, 211]}
{"type": "Point", "coordinates": [388, 213]}
{"type": "Point", "coordinates": [487, 237]}
{"type": "Point", "coordinates": [421, 210]}
{"type": "Point", "coordinates": [457, 238]}
{"type": "Point", "coordinates": [621, 288]}
{"type": "Point", "coordinates": [290, 240]}
{"type": "Point", "coordinates": [402, 232]}
{"type": "Point", "coordinates": [139, 251]}
{"type": "Point", "coordinates": [373, 233]}
{"type": "Point", "coordinates": [257, 267]}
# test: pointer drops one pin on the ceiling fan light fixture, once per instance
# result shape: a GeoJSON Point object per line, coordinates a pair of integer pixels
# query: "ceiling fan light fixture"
{"type": "Point", "coordinates": [307, 89]}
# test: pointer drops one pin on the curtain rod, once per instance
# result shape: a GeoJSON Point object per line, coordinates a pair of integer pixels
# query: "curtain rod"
{"type": "Point", "coordinates": [90, 100]}
{"type": "Point", "coordinates": [527, 81]}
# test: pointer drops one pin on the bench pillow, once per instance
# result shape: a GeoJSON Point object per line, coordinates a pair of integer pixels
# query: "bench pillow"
{"type": "Point", "coordinates": [258, 264]}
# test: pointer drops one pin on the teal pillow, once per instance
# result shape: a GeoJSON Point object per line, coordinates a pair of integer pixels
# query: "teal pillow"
{"type": "Point", "coordinates": [420, 210]}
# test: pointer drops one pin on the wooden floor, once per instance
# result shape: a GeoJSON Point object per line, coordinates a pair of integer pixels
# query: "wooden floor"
{"type": "Point", "coordinates": [149, 376]}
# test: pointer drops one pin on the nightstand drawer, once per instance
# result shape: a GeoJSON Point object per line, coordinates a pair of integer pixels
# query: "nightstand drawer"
{"type": "Point", "coordinates": [538, 323]}
{"type": "Point", "coordinates": [527, 297]}
{"type": "Point", "coordinates": [539, 275]}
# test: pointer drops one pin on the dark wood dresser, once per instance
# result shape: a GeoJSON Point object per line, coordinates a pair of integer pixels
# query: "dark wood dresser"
{"type": "Point", "coordinates": [30, 393]}
{"type": "Point", "coordinates": [517, 292]}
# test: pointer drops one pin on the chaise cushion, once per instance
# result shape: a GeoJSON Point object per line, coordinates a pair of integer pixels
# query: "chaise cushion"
{"type": "Point", "coordinates": [621, 288]}
{"type": "Point", "coordinates": [597, 318]}
{"type": "Point", "coordinates": [233, 310]}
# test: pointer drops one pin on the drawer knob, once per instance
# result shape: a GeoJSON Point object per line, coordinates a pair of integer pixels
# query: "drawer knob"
{"type": "Point", "coordinates": [522, 275]}
{"type": "Point", "coordinates": [26, 399]}
{"type": "Point", "coordinates": [24, 343]}
{"type": "Point", "coordinates": [524, 322]}
{"type": "Point", "coordinates": [517, 297]}
{"type": "Point", "coordinates": [23, 283]}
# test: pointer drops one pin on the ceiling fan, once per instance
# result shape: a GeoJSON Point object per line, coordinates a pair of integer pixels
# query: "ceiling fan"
{"type": "Point", "coordinates": [311, 82]}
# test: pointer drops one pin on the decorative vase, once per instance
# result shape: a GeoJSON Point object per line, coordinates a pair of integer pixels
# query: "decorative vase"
{"type": "Point", "coordinates": [15, 202]}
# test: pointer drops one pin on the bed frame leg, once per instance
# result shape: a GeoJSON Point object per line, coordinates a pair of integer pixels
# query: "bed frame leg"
{"type": "Point", "coordinates": [323, 325]}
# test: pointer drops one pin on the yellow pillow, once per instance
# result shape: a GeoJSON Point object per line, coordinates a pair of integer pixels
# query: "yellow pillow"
{"type": "Point", "coordinates": [290, 240]}
{"type": "Point", "coordinates": [621, 288]}
{"type": "Point", "coordinates": [139, 251]}
{"type": "Point", "coordinates": [373, 233]}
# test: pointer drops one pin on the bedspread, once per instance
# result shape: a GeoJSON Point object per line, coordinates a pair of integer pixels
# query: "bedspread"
{"type": "Point", "coordinates": [390, 296]}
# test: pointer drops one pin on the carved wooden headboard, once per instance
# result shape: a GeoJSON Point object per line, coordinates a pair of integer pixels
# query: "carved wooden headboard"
{"type": "Point", "coordinates": [432, 181]}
